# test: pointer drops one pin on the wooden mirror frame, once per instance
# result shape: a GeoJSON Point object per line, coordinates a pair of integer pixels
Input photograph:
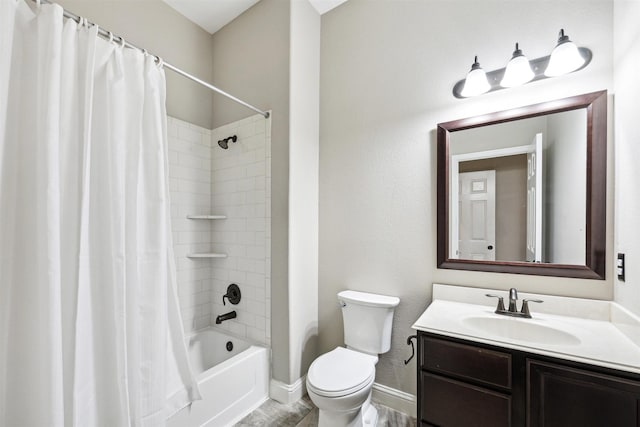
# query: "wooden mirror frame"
{"type": "Point", "coordinates": [596, 168]}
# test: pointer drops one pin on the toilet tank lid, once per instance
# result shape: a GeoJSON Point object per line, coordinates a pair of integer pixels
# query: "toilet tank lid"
{"type": "Point", "coordinates": [365, 298]}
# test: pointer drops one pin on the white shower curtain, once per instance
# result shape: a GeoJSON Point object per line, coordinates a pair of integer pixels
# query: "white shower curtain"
{"type": "Point", "coordinates": [90, 332]}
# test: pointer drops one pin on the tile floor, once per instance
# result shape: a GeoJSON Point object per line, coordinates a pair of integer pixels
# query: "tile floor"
{"type": "Point", "coordinates": [303, 413]}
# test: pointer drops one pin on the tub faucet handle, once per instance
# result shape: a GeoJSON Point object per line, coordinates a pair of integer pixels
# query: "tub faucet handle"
{"type": "Point", "coordinates": [233, 294]}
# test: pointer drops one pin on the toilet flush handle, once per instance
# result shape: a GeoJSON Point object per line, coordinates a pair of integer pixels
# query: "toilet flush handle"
{"type": "Point", "coordinates": [343, 304]}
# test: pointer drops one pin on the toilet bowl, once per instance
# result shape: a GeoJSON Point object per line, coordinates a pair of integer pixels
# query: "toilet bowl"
{"type": "Point", "coordinates": [340, 382]}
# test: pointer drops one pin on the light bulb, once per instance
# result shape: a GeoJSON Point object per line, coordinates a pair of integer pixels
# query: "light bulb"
{"type": "Point", "coordinates": [476, 82]}
{"type": "Point", "coordinates": [518, 70]}
{"type": "Point", "coordinates": [565, 58]}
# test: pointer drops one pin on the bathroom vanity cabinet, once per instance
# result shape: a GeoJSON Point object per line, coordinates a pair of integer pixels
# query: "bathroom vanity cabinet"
{"type": "Point", "coordinates": [465, 383]}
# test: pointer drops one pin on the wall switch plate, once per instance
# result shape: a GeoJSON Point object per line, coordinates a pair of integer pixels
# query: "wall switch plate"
{"type": "Point", "coordinates": [620, 267]}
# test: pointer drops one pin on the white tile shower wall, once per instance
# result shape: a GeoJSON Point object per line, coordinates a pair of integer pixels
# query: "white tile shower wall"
{"type": "Point", "coordinates": [190, 185]}
{"type": "Point", "coordinates": [241, 189]}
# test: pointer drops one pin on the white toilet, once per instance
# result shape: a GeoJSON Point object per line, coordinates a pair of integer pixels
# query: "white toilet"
{"type": "Point", "coordinates": [339, 382]}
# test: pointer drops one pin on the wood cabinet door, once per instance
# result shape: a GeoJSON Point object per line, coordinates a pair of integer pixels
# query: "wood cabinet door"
{"type": "Point", "coordinates": [559, 396]}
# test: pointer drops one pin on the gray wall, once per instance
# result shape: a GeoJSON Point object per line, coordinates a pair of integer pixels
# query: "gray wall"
{"type": "Point", "coordinates": [387, 70]}
{"type": "Point", "coordinates": [303, 187]}
{"type": "Point", "coordinates": [565, 204]}
{"type": "Point", "coordinates": [252, 62]}
{"type": "Point", "coordinates": [153, 25]}
{"type": "Point", "coordinates": [627, 132]}
{"type": "Point", "coordinates": [517, 133]}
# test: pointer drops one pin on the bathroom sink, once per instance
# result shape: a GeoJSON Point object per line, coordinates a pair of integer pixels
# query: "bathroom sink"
{"type": "Point", "coordinates": [520, 330]}
{"type": "Point", "coordinates": [588, 331]}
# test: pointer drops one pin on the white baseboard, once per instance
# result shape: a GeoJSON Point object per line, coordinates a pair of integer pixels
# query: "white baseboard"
{"type": "Point", "coordinates": [395, 399]}
{"type": "Point", "coordinates": [288, 393]}
{"type": "Point", "coordinates": [387, 396]}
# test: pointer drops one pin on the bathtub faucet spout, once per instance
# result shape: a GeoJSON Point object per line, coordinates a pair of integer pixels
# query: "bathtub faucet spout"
{"type": "Point", "coordinates": [230, 315]}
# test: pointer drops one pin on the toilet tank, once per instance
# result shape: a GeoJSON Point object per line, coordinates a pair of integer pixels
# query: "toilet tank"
{"type": "Point", "coordinates": [367, 320]}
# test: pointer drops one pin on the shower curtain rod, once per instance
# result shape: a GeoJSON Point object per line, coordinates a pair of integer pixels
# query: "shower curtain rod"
{"type": "Point", "coordinates": [108, 35]}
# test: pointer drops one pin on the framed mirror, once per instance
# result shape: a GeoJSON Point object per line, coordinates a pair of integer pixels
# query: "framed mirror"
{"type": "Point", "coordinates": [524, 190]}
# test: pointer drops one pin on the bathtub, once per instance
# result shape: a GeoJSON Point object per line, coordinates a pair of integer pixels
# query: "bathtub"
{"type": "Point", "coordinates": [232, 383]}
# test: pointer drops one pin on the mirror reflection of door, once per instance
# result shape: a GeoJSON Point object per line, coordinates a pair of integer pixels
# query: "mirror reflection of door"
{"type": "Point", "coordinates": [477, 219]}
{"type": "Point", "coordinates": [510, 195]}
{"type": "Point", "coordinates": [534, 200]}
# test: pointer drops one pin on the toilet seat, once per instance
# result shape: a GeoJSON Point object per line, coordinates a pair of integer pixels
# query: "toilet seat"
{"type": "Point", "coordinates": [341, 372]}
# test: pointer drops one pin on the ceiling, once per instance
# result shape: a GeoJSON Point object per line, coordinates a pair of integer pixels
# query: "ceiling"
{"type": "Point", "coordinates": [212, 15]}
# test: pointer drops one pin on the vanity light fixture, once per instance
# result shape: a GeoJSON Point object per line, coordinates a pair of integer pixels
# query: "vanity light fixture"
{"type": "Point", "coordinates": [565, 58]}
{"type": "Point", "coordinates": [476, 82]}
{"type": "Point", "coordinates": [518, 71]}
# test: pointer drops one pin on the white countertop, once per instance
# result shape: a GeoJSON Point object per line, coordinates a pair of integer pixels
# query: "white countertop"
{"type": "Point", "coordinates": [607, 333]}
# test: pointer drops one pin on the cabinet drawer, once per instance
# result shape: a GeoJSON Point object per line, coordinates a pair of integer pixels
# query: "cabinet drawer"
{"type": "Point", "coordinates": [466, 362]}
{"type": "Point", "coordinates": [451, 403]}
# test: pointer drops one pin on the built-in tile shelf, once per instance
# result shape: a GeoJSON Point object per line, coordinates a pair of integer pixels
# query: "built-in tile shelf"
{"type": "Point", "coordinates": [212, 254]}
{"type": "Point", "coordinates": [207, 255]}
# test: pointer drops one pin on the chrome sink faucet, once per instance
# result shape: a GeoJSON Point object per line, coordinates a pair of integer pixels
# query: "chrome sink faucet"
{"type": "Point", "coordinates": [513, 305]}
{"type": "Point", "coordinates": [513, 298]}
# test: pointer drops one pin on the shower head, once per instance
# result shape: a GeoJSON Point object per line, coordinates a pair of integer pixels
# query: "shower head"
{"type": "Point", "coordinates": [224, 143]}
